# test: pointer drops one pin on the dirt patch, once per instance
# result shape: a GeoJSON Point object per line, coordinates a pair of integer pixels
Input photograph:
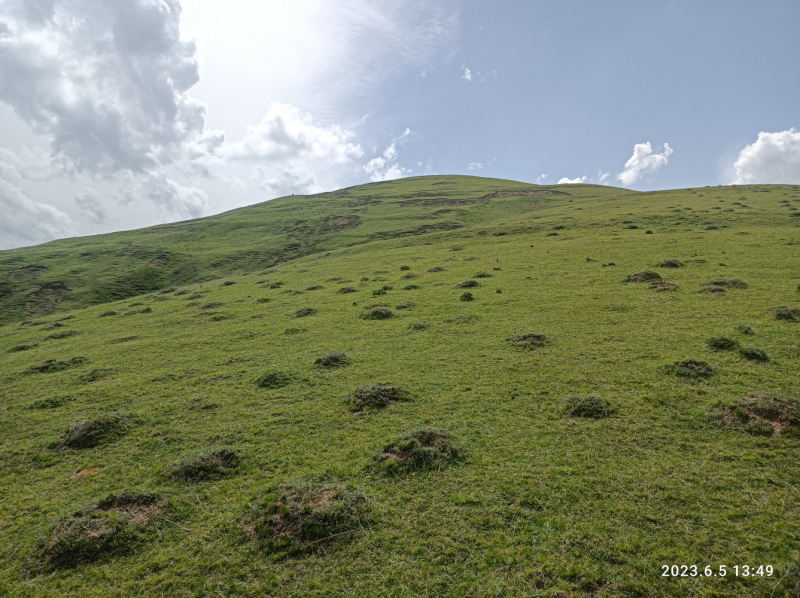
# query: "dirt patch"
{"type": "Point", "coordinates": [377, 396]}
{"type": "Point", "coordinates": [763, 415]}
{"type": "Point", "coordinates": [274, 380]}
{"type": "Point", "coordinates": [419, 450]}
{"type": "Point", "coordinates": [528, 341]}
{"type": "Point", "coordinates": [203, 466]}
{"type": "Point", "coordinates": [161, 259]}
{"type": "Point", "coordinates": [646, 276]}
{"type": "Point", "coordinates": [693, 369]}
{"type": "Point", "coordinates": [52, 365]}
{"type": "Point", "coordinates": [590, 407]}
{"type": "Point", "coordinates": [90, 433]}
{"type": "Point", "coordinates": [295, 516]}
{"type": "Point", "coordinates": [663, 286]}
{"type": "Point", "coordinates": [378, 313]}
{"type": "Point", "coordinates": [83, 472]}
{"type": "Point", "coordinates": [111, 527]}
{"type": "Point", "coordinates": [335, 359]}
{"type": "Point", "coordinates": [46, 299]}
{"type": "Point", "coordinates": [25, 273]}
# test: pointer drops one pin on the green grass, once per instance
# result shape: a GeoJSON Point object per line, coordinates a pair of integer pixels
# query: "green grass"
{"type": "Point", "coordinates": [542, 503]}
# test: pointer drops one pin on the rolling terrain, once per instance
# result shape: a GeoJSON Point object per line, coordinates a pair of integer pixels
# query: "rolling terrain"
{"type": "Point", "coordinates": [437, 386]}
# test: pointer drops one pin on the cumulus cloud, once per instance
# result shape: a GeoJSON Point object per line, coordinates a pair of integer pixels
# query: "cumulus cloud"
{"type": "Point", "coordinates": [89, 202]}
{"type": "Point", "coordinates": [602, 177]}
{"type": "Point", "coordinates": [170, 197]}
{"type": "Point", "coordinates": [385, 166]}
{"type": "Point", "coordinates": [26, 221]}
{"type": "Point", "coordinates": [773, 158]}
{"type": "Point", "coordinates": [466, 73]}
{"type": "Point", "coordinates": [540, 179]}
{"type": "Point", "coordinates": [287, 181]}
{"type": "Point", "coordinates": [568, 181]}
{"type": "Point", "coordinates": [642, 161]}
{"type": "Point", "coordinates": [475, 166]}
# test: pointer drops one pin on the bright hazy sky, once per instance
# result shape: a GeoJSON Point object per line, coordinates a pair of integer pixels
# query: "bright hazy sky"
{"type": "Point", "coordinates": [116, 114]}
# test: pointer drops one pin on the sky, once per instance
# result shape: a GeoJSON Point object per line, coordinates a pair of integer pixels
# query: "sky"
{"type": "Point", "coordinates": [119, 114]}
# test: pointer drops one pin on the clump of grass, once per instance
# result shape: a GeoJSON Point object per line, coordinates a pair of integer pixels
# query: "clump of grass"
{"type": "Point", "coordinates": [62, 334]}
{"type": "Point", "coordinates": [203, 466]}
{"type": "Point", "coordinates": [404, 268]}
{"type": "Point", "coordinates": [646, 276]}
{"type": "Point", "coordinates": [468, 284]}
{"type": "Point", "coordinates": [304, 312]}
{"type": "Point", "coordinates": [90, 433]}
{"type": "Point", "coordinates": [792, 314]}
{"type": "Point", "coordinates": [763, 415]}
{"type": "Point", "coordinates": [18, 348]}
{"type": "Point", "coordinates": [411, 287]}
{"type": "Point", "coordinates": [377, 396]}
{"type": "Point", "coordinates": [294, 330]}
{"type": "Point", "coordinates": [663, 286]}
{"type": "Point", "coordinates": [275, 285]}
{"type": "Point", "coordinates": [419, 325]}
{"type": "Point", "coordinates": [97, 374]}
{"type": "Point", "coordinates": [591, 407]}
{"type": "Point", "coordinates": [481, 275]}
{"type": "Point", "coordinates": [136, 304]}
{"type": "Point", "coordinates": [100, 531]}
{"type": "Point", "coordinates": [145, 310]}
{"type": "Point", "coordinates": [275, 379]}
{"type": "Point", "coordinates": [746, 330]}
{"type": "Point", "coordinates": [335, 359]}
{"type": "Point", "coordinates": [378, 292]}
{"type": "Point", "coordinates": [754, 354]}
{"type": "Point", "coordinates": [182, 292]}
{"type": "Point", "coordinates": [456, 248]}
{"type": "Point", "coordinates": [194, 296]}
{"type": "Point", "coordinates": [406, 305]}
{"type": "Point", "coordinates": [316, 287]}
{"type": "Point", "coordinates": [733, 283]}
{"type": "Point", "coordinates": [52, 365]}
{"type": "Point", "coordinates": [710, 289]}
{"type": "Point", "coordinates": [722, 343]}
{"type": "Point", "coordinates": [346, 290]}
{"type": "Point", "coordinates": [467, 297]}
{"type": "Point", "coordinates": [378, 313]}
{"type": "Point", "coordinates": [220, 317]}
{"type": "Point", "coordinates": [167, 291]}
{"type": "Point", "coordinates": [53, 326]}
{"type": "Point", "coordinates": [463, 319]}
{"type": "Point", "coordinates": [691, 368]}
{"type": "Point", "coordinates": [160, 298]}
{"type": "Point", "coordinates": [671, 264]}
{"type": "Point", "coordinates": [294, 516]}
{"type": "Point", "coordinates": [409, 276]}
{"type": "Point", "coordinates": [436, 269]}
{"type": "Point", "coordinates": [263, 300]}
{"type": "Point", "coordinates": [212, 305]}
{"type": "Point", "coordinates": [419, 450]}
{"type": "Point", "coordinates": [50, 402]}
{"type": "Point", "coordinates": [108, 313]}
{"type": "Point", "coordinates": [528, 341]}
{"type": "Point", "coordinates": [227, 283]}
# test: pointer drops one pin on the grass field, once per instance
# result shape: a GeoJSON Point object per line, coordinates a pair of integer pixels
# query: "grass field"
{"type": "Point", "coordinates": [216, 458]}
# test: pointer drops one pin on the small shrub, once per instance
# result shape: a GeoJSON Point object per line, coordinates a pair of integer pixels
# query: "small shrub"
{"type": "Point", "coordinates": [51, 365]}
{"type": "Point", "coordinates": [304, 312]}
{"type": "Point", "coordinates": [18, 348]}
{"type": "Point", "coordinates": [274, 380]}
{"type": "Point", "coordinates": [467, 296]}
{"type": "Point", "coordinates": [481, 275]}
{"type": "Point", "coordinates": [722, 343]}
{"type": "Point", "coordinates": [419, 325]}
{"type": "Point", "coordinates": [62, 334]}
{"type": "Point", "coordinates": [203, 466]}
{"type": "Point", "coordinates": [90, 433]}
{"type": "Point", "coordinates": [346, 290]}
{"type": "Point", "coordinates": [108, 313]}
{"type": "Point", "coordinates": [754, 354]}
{"type": "Point", "coordinates": [671, 264]}
{"type": "Point", "coordinates": [404, 268]}
{"type": "Point", "coordinates": [411, 287]}
{"type": "Point", "coordinates": [227, 283]}
{"type": "Point", "coordinates": [691, 368]}
{"type": "Point", "coordinates": [528, 341]}
{"type": "Point", "coordinates": [168, 291]}
{"type": "Point", "coordinates": [377, 313]}
{"type": "Point", "coordinates": [293, 516]}
{"type": "Point", "coordinates": [646, 276]}
{"type": "Point", "coordinates": [335, 359]}
{"type": "Point", "coordinates": [377, 396]}
{"type": "Point", "coordinates": [468, 284]}
{"type": "Point", "coordinates": [419, 450]}
{"type": "Point", "coordinates": [436, 269]}
{"type": "Point", "coordinates": [591, 407]}
{"type": "Point", "coordinates": [663, 286]}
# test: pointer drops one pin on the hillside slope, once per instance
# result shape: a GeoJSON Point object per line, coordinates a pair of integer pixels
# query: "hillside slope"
{"type": "Point", "coordinates": [74, 273]}
{"type": "Point", "coordinates": [557, 399]}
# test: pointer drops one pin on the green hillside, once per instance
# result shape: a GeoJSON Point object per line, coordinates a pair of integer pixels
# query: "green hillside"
{"type": "Point", "coordinates": [542, 392]}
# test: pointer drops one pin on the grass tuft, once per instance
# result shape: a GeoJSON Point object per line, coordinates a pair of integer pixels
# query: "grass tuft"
{"type": "Point", "coordinates": [51, 365]}
{"type": "Point", "coordinates": [377, 396]}
{"type": "Point", "coordinates": [645, 276]}
{"type": "Point", "coordinates": [378, 313]}
{"type": "Point", "coordinates": [203, 466]}
{"type": "Point", "coordinates": [691, 368]}
{"type": "Point", "coordinates": [722, 343]}
{"type": "Point", "coordinates": [335, 359]}
{"type": "Point", "coordinates": [419, 450]}
{"type": "Point", "coordinates": [468, 284]}
{"type": "Point", "coordinates": [754, 354]}
{"type": "Point", "coordinates": [304, 312]}
{"type": "Point", "coordinates": [90, 433]}
{"type": "Point", "coordinates": [528, 341]}
{"type": "Point", "coordinates": [274, 379]}
{"type": "Point", "coordinates": [671, 264]}
{"type": "Point", "coordinates": [590, 407]}
{"type": "Point", "coordinates": [467, 297]}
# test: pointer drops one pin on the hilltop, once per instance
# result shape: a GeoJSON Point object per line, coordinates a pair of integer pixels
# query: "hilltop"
{"type": "Point", "coordinates": [440, 386]}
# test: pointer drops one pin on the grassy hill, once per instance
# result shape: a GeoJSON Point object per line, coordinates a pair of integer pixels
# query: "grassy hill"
{"type": "Point", "coordinates": [510, 416]}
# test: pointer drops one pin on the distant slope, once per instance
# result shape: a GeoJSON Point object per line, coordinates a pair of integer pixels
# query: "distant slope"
{"type": "Point", "coordinates": [74, 273]}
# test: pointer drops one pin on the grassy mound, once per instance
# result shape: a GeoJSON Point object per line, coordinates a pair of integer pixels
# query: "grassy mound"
{"type": "Point", "coordinates": [416, 451]}
{"type": "Point", "coordinates": [792, 314]}
{"type": "Point", "coordinates": [275, 379]}
{"type": "Point", "coordinates": [726, 283]}
{"type": "Point", "coordinates": [468, 284]}
{"type": "Point", "coordinates": [304, 312]}
{"type": "Point", "coordinates": [691, 368]}
{"type": "Point", "coordinates": [377, 396]}
{"type": "Point", "coordinates": [663, 286]}
{"type": "Point", "coordinates": [52, 365]}
{"type": "Point", "coordinates": [590, 407]}
{"type": "Point", "coordinates": [528, 341]}
{"type": "Point", "coordinates": [90, 433]}
{"type": "Point", "coordinates": [645, 276]}
{"type": "Point", "coordinates": [754, 354]}
{"type": "Point", "coordinates": [671, 264]}
{"type": "Point", "coordinates": [763, 415]}
{"type": "Point", "coordinates": [467, 297]}
{"type": "Point", "coordinates": [203, 466]}
{"type": "Point", "coordinates": [335, 359]}
{"type": "Point", "coordinates": [298, 515]}
{"type": "Point", "coordinates": [377, 313]}
{"type": "Point", "coordinates": [722, 343]}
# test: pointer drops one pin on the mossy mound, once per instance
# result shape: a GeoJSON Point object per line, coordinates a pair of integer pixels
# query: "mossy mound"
{"type": "Point", "coordinates": [691, 368]}
{"type": "Point", "coordinates": [646, 276]}
{"type": "Point", "coordinates": [203, 466]}
{"type": "Point", "coordinates": [90, 433]}
{"type": "Point", "coordinates": [111, 527]}
{"type": "Point", "coordinates": [377, 396]}
{"type": "Point", "coordinates": [418, 450]}
{"type": "Point", "coordinates": [590, 407]}
{"type": "Point", "coordinates": [528, 341]}
{"type": "Point", "coordinates": [275, 379]}
{"type": "Point", "coordinates": [294, 516]}
{"type": "Point", "coordinates": [335, 359]}
{"type": "Point", "coordinates": [763, 415]}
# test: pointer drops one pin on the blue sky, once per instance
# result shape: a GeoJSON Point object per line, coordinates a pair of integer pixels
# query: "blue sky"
{"type": "Point", "coordinates": [149, 111]}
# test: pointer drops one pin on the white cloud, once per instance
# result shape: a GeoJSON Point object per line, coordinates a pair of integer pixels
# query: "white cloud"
{"type": "Point", "coordinates": [385, 166]}
{"type": "Point", "coordinates": [540, 179]}
{"type": "Point", "coordinates": [475, 166]}
{"type": "Point", "coordinates": [773, 158]}
{"type": "Point", "coordinates": [171, 198]}
{"type": "Point", "coordinates": [26, 221]}
{"type": "Point", "coordinates": [643, 161]}
{"type": "Point", "coordinates": [467, 74]}
{"type": "Point", "coordinates": [287, 181]}
{"type": "Point", "coordinates": [89, 202]}
{"type": "Point", "coordinates": [568, 181]}
{"type": "Point", "coordinates": [602, 176]}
